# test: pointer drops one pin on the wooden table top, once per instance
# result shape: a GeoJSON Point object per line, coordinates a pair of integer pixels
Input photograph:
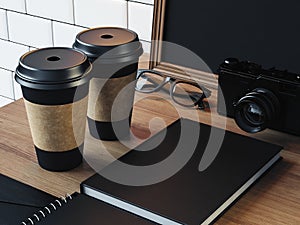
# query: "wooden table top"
{"type": "Point", "coordinates": [274, 199]}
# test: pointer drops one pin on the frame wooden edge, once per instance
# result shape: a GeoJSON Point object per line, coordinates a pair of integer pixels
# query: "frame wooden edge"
{"type": "Point", "coordinates": [208, 80]}
{"type": "Point", "coordinates": [169, 69]}
{"type": "Point", "coordinates": [157, 32]}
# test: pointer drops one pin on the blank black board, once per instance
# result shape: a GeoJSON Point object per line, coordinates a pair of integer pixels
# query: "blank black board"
{"type": "Point", "coordinates": [266, 32]}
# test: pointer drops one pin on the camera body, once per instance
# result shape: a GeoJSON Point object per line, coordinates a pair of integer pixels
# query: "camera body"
{"type": "Point", "coordinates": [258, 98]}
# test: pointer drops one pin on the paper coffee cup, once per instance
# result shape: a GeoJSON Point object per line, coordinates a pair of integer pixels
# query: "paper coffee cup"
{"type": "Point", "coordinates": [114, 53]}
{"type": "Point", "coordinates": [55, 84]}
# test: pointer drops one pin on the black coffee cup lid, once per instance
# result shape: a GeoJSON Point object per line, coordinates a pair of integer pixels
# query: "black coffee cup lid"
{"type": "Point", "coordinates": [119, 44]}
{"type": "Point", "coordinates": [53, 68]}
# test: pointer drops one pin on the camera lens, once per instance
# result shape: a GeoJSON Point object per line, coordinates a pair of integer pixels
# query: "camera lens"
{"type": "Point", "coordinates": [256, 110]}
{"type": "Point", "coordinates": [253, 114]}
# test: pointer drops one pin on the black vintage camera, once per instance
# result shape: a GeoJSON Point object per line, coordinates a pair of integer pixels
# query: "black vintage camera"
{"type": "Point", "coordinates": [258, 98]}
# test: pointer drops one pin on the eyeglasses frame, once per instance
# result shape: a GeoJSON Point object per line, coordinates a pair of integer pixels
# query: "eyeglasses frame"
{"type": "Point", "coordinates": [173, 82]}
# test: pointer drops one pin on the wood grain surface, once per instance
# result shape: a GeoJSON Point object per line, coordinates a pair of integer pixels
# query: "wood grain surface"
{"type": "Point", "coordinates": [274, 199]}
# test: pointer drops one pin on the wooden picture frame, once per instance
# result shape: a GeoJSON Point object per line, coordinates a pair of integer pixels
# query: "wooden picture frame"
{"type": "Point", "coordinates": [169, 69]}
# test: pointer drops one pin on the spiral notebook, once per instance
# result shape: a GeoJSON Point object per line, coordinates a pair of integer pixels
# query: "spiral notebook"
{"type": "Point", "coordinates": [79, 209]}
{"type": "Point", "coordinates": [21, 204]}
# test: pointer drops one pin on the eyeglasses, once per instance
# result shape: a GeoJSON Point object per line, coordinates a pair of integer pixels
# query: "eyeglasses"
{"type": "Point", "coordinates": [183, 93]}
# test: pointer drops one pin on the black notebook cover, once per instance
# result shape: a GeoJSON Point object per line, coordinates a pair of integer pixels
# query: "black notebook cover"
{"type": "Point", "coordinates": [19, 201]}
{"type": "Point", "coordinates": [190, 196]}
{"type": "Point", "coordinates": [81, 209]}
{"type": "Point", "coordinates": [21, 204]}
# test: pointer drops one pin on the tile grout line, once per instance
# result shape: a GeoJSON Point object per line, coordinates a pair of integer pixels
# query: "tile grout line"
{"type": "Point", "coordinates": [2, 96]}
{"type": "Point", "coordinates": [127, 18]}
{"type": "Point", "coordinates": [7, 28]}
{"type": "Point", "coordinates": [17, 43]}
{"type": "Point", "coordinates": [25, 4]}
{"type": "Point", "coordinates": [144, 3]}
{"type": "Point", "coordinates": [145, 41]}
{"type": "Point", "coordinates": [8, 70]}
{"type": "Point", "coordinates": [52, 32]}
{"type": "Point", "coordinates": [73, 8]}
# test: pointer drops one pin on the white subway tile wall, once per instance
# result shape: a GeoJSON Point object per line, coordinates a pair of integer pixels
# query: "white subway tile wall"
{"type": "Point", "coordinates": [29, 30]}
{"type": "Point", "coordinates": [61, 10]}
{"type": "Point", "coordinates": [10, 54]}
{"type": "Point", "coordinates": [64, 34]}
{"type": "Point", "coordinates": [30, 24]}
{"type": "Point", "coordinates": [4, 101]}
{"type": "Point", "coordinates": [93, 13]}
{"type": "Point", "coordinates": [15, 5]}
{"type": "Point", "coordinates": [17, 90]}
{"type": "Point", "coordinates": [3, 25]}
{"type": "Point", "coordinates": [140, 19]}
{"type": "Point", "coordinates": [6, 87]}
{"type": "Point", "coordinates": [146, 46]}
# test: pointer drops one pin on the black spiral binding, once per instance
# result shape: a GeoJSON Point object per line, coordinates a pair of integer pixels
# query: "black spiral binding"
{"type": "Point", "coordinates": [47, 210]}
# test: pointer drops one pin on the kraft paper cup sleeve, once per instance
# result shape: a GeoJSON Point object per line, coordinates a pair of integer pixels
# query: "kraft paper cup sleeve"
{"type": "Point", "coordinates": [103, 94]}
{"type": "Point", "coordinates": [56, 128]}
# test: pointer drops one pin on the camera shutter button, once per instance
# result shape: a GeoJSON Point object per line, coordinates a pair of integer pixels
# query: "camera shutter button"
{"type": "Point", "coordinates": [231, 61]}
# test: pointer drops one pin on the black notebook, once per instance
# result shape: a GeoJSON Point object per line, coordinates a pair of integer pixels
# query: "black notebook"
{"type": "Point", "coordinates": [191, 196]}
{"type": "Point", "coordinates": [19, 201]}
{"type": "Point", "coordinates": [79, 209]}
{"type": "Point", "coordinates": [21, 204]}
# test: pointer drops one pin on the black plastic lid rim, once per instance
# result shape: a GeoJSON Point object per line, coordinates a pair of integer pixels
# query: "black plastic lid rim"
{"type": "Point", "coordinates": [95, 55]}
{"type": "Point", "coordinates": [75, 75]}
{"type": "Point", "coordinates": [94, 51]}
{"type": "Point", "coordinates": [51, 85]}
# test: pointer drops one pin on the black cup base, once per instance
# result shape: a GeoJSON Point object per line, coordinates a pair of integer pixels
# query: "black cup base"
{"type": "Point", "coordinates": [59, 161]}
{"type": "Point", "coordinates": [105, 130]}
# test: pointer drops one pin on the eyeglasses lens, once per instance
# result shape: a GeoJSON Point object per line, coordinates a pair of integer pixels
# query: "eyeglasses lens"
{"type": "Point", "coordinates": [149, 82]}
{"type": "Point", "coordinates": [186, 94]}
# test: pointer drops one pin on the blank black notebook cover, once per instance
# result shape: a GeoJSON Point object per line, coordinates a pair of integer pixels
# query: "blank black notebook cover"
{"type": "Point", "coordinates": [85, 210]}
{"type": "Point", "coordinates": [19, 201]}
{"type": "Point", "coordinates": [189, 196]}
